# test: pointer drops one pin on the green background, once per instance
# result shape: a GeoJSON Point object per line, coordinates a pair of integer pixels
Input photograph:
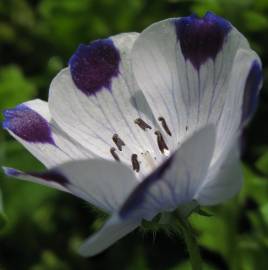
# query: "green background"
{"type": "Point", "coordinates": [40, 227]}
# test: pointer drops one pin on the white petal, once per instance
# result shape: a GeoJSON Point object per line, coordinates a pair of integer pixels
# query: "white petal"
{"type": "Point", "coordinates": [96, 98]}
{"type": "Point", "coordinates": [113, 230]}
{"type": "Point", "coordinates": [49, 180]}
{"type": "Point", "coordinates": [103, 183]}
{"type": "Point", "coordinates": [30, 123]}
{"type": "Point", "coordinates": [242, 88]}
{"type": "Point", "coordinates": [183, 67]}
{"type": "Point", "coordinates": [176, 181]}
{"type": "Point", "coordinates": [224, 180]}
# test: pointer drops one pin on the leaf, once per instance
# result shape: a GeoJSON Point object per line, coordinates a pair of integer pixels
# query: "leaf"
{"type": "Point", "coordinates": [50, 261]}
{"type": "Point", "coordinates": [187, 266]}
{"type": "Point", "coordinates": [262, 163]}
{"type": "Point", "coordinates": [264, 213]}
{"type": "Point", "coordinates": [14, 87]}
{"type": "Point", "coordinates": [255, 21]}
{"type": "Point", "coordinates": [3, 218]}
{"type": "Point", "coordinates": [202, 212]}
{"type": "Point", "coordinates": [208, 229]}
{"type": "Point", "coordinates": [255, 187]}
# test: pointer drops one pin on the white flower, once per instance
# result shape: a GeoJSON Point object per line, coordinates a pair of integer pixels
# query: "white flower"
{"type": "Point", "coordinates": [139, 124]}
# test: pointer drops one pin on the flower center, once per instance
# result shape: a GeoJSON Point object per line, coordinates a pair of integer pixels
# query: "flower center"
{"type": "Point", "coordinates": [145, 160]}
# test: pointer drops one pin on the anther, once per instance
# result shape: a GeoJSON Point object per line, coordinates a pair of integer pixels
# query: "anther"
{"type": "Point", "coordinates": [186, 128]}
{"type": "Point", "coordinates": [160, 141]}
{"type": "Point", "coordinates": [118, 142]}
{"type": "Point", "coordinates": [115, 156]}
{"type": "Point", "coordinates": [143, 125]}
{"type": "Point", "coordinates": [135, 163]}
{"type": "Point", "coordinates": [164, 125]}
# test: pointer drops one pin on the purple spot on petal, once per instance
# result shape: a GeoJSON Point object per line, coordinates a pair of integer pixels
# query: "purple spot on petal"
{"type": "Point", "coordinates": [11, 172]}
{"type": "Point", "coordinates": [27, 124]}
{"type": "Point", "coordinates": [137, 197]}
{"type": "Point", "coordinates": [93, 66]}
{"type": "Point", "coordinates": [201, 38]}
{"type": "Point", "coordinates": [251, 92]}
{"type": "Point", "coordinates": [52, 176]}
{"type": "Point", "coordinates": [48, 176]}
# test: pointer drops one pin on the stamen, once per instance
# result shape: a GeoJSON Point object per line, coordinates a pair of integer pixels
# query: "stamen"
{"type": "Point", "coordinates": [186, 128]}
{"type": "Point", "coordinates": [135, 163]}
{"type": "Point", "coordinates": [164, 125]}
{"type": "Point", "coordinates": [160, 141]}
{"type": "Point", "coordinates": [118, 142]}
{"type": "Point", "coordinates": [114, 154]}
{"type": "Point", "coordinates": [143, 125]}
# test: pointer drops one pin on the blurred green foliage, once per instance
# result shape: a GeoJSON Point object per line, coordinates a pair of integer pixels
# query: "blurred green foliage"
{"type": "Point", "coordinates": [44, 226]}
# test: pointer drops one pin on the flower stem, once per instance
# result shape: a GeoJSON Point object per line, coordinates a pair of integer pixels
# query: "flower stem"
{"type": "Point", "coordinates": [191, 243]}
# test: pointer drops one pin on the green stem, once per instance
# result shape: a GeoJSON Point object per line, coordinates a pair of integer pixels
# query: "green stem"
{"type": "Point", "coordinates": [191, 243]}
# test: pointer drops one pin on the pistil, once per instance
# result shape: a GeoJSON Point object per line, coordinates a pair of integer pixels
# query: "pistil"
{"type": "Point", "coordinates": [149, 159]}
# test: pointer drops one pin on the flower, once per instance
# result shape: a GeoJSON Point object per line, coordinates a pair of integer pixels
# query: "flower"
{"type": "Point", "coordinates": [139, 124]}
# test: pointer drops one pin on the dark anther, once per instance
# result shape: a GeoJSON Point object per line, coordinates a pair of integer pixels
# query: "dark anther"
{"type": "Point", "coordinates": [186, 128]}
{"type": "Point", "coordinates": [118, 142]}
{"type": "Point", "coordinates": [160, 141]}
{"type": "Point", "coordinates": [164, 125]}
{"type": "Point", "coordinates": [115, 156]}
{"type": "Point", "coordinates": [135, 163]}
{"type": "Point", "coordinates": [143, 125]}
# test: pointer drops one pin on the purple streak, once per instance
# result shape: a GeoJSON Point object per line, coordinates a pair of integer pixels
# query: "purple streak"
{"type": "Point", "coordinates": [251, 92]}
{"type": "Point", "coordinates": [48, 176]}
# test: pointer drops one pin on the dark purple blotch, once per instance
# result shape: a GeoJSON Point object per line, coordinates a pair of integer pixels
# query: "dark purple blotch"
{"type": "Point", "coordinates": [136, 199]}
{"type": "Point", "coordinates": [251, 92]}
{"type": "Point", "coordinates": [93, 66]}
{"type": "Point", "coordinates": [12, 172]}
{"type": "Point", "coordinates": [48, 176]}
{"type": "Point", "coordinates": [27, 124]}
{"type": "Point", "coordinates": [52, 176]}
{"type": "Point", "coordinates": [201, 38]}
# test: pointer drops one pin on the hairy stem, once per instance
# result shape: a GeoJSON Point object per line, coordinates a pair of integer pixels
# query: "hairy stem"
{"type": "Point", "coordinates": [191, 243]}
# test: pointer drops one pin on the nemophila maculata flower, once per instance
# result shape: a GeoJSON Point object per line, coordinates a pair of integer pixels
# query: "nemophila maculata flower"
{"type": "Point", "coordinates": [140, 124]}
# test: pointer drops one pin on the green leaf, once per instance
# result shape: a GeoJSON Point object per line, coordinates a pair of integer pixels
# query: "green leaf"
{"type": "Point", "coordinates": [255, 21]}
{"type": "Point", "coordinates": [264, 213]}
{"type": "Point", "coordinates": [50, 261]}
{"type": "Point", "coordinates": [14, 87]}
{"type": "Point", "coordinates": [208, 229]}
{"type": "Point", "coordinates": [262, 163]}
{"type": "Point", "coordinates": [3, 218]}
{"type": "Point", "coordinates": [187, 266]}
{"type": "Point", "coordinates": [202, 212]}
{"type": "Point", "coordinates": [255, 187]}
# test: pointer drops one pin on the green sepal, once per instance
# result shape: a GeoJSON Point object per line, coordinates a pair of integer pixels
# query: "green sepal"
{"type": "Point", "coordinates": [202, 212]}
